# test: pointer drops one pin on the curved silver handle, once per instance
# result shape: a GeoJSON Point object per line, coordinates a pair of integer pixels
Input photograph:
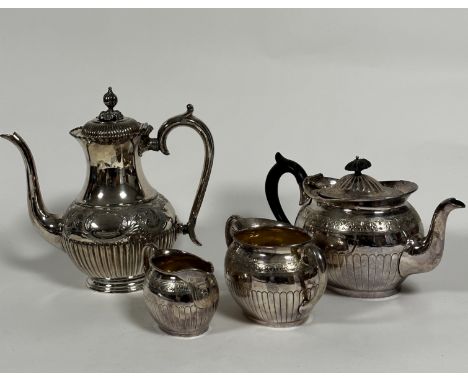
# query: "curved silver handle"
{"type": "Point", "coordinates": [231, 228]}
{"type": "Point", "coordinates": [321, 263]}
{"type": "Point", "coordinates": [203, 291]}
{"type": "Point", "coordinates": [188, 119]}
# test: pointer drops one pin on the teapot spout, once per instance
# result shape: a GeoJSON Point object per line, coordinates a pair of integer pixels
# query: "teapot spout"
{"type": "Point", "coordinates": [49, 225]}
{"type": "Point", "coordinates": [423, 255]}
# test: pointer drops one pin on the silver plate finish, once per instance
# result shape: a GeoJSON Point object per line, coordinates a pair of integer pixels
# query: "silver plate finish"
{"type": "Point", "coordinates": [371, 235]}
{"type": "Point", "coordinates": [274, 285]}
{"type": "Point", "coordinates": [180, 291]}
{"type": "Point", "coordinates": [117, 212]}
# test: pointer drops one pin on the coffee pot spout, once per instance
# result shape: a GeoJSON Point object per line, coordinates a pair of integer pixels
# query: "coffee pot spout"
{"type": "Point", "coordinates": [49, 225]}
{"type": "Point", "coordinates": [425, 254]}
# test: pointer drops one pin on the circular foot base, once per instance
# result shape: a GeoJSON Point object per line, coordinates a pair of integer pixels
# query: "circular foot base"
{"type": "Point", "coordinates": [117, 285]}
{"type": "Point", "coordinates": [363, 293]}
{"type": "Point", "coordinates": [186, 335]}
{"type": "Point", "coordinates": [278, 324]}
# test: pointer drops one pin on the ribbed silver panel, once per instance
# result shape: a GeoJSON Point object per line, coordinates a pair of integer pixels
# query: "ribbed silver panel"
{"type": "Point", "coordinates": [362, 272]}
{"type": "Point", "coordinates": [100, 260]}
{"type": "Point", "coordinates": [184, 319]}
{"type": "Point", "coordinates": [277, 308]}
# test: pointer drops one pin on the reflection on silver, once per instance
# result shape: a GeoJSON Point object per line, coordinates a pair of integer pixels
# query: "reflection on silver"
{"type": "Point", "coordinates": [117, 212]}
{"type": "Point", "coordinates": [180, 291]}
{"type": "Point", "coordinates": [276, 283]}
{"type": "Point", "coordinates": [372, 236]}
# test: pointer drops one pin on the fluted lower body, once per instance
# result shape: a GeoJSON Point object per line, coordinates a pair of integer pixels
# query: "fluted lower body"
{"type": "Point", "coordinates": [179, 319]}
{"type": "Point", "coordinates": [277, 309]}
{"type": "Point", "coordinates": [114, 267]}
{"type": "Point", "coordinates": [364, 275]}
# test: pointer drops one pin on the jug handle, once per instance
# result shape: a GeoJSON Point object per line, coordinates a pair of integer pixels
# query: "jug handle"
{"type": "Point", "coordinates": [231, 227]}
{"type": "Point", "coordinates": [309, 301]}
{"type": "Point", "coordinates": [188, 119]}
{"type": "Point", "coordinates": [281, 167]}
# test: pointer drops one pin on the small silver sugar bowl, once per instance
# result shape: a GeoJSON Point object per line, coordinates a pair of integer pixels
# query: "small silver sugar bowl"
{"type": "Point", "coordinates": [273, 270]}
{"type": "Point", "coordinates": [180, 291]}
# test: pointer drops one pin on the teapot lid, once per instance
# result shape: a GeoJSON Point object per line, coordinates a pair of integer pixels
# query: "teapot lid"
{"type": "Point", "coordinates": [110, 125]}
{"type": "Point", "coordinates": [359, 187]}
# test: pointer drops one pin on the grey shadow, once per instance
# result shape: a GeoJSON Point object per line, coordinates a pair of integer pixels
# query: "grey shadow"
{"type": "Point", "coordinates": [337, 309]}
{"type": "Point", "coordinates": [410, 287]}
{"type": "Point", "coordinates": [331, 309]}
{"type": "Point", "coordinates": [134, 309]}
{"type": "Point", "coordinates": [233, 314]}
{"type": "Point", "coordinates": [228, 308]}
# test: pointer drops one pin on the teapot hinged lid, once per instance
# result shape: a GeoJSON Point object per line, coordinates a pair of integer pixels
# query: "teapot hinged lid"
{"type": "Point", "coordinates": [110, 125]}
{"type": "Point", "coordinates": [359, 187]}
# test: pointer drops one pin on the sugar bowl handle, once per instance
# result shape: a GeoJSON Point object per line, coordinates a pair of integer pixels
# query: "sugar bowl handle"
{"type": "Point", "coordinates": [312, 256]}
{"type": "Point", "coordinates": [231, 227]}
{"type": "Point", "coordinates": [188, 119]}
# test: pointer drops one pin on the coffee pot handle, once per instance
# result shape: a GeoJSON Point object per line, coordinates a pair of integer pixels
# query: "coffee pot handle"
{"type": "Point", "coordinates": [281, 167]}
{"type": "Point", "coordinates": [188, 119]}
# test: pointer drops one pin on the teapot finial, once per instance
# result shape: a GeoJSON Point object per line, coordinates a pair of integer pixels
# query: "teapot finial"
{"type": "Point", "coordinates": [110, 100]}
{"type": "Point", "coordinates": [358, 165]}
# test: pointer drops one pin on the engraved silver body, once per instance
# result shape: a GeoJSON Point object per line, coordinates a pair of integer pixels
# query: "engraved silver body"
{"type": "Point", "coordinates": [274, 285]}
{"type": "Point", "coordinates": [117, 212]}
{"type": "Point", "coordinates": [182, 300]}
{"type": "Point", "coordinates": [371, 235]}
{"type": "Point", "coordinates": [363, 247]}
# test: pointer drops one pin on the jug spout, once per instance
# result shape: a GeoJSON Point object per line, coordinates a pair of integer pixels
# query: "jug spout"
{"type": "Point", "coordinates": [49, 225]}
{"type": "Point", "coordinates": [423, 255]}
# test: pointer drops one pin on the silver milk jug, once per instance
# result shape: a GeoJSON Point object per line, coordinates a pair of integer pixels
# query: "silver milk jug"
{"type": "Point", "coordinates": [180, 291]}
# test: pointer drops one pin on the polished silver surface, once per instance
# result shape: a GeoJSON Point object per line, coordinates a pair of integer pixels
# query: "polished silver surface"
{"type": "Point", "coordinates": [371, 235]}
{"type": "Point", "coordinates": [180, 291]}
{"type": "Point", "coordinates": [117, 212]}
{"type": "Point", "coordinates": [274, 271]}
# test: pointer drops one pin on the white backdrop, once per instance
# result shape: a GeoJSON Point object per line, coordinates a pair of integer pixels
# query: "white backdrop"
{"type": "Point", "coordinates": [321, 86]}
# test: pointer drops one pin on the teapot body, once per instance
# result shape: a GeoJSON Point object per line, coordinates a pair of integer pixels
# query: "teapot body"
{"type": "Point", "coordinates": [363, 247]}
{"type": "Point", "coordinates": [371, 235]}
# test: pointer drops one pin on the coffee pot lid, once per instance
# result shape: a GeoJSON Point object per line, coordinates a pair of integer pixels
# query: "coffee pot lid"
{"type": "Point", "coordinates": [358, 186]}
{"type": "Point", "coordinates": [110, 124]}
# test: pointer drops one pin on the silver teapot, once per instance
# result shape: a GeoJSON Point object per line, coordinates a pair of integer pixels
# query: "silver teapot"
{"type": "Point", "coordinates": [372, 236]}
{"type": "Point", "coordinates": [117, 212]}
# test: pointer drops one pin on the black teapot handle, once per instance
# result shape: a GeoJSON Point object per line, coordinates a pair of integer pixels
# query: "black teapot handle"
{"type": "Point", "coordinates": [281, 167]}
{"type": "Point", "coordinates": [159, 144]}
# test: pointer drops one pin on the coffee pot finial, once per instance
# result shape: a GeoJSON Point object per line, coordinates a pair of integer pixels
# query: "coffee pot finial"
{"type": "Point", "coordinates": [110, 100]}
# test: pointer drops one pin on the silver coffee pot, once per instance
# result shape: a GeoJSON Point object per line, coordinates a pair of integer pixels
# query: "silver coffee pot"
{"type": "Point", "coordinates": [117, 212]}
{"type": "Point", "coordinates": [372, 236]}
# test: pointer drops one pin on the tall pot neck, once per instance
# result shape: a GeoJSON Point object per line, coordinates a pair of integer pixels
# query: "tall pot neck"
{"type": "Point", "coordinates": [114, 174]}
